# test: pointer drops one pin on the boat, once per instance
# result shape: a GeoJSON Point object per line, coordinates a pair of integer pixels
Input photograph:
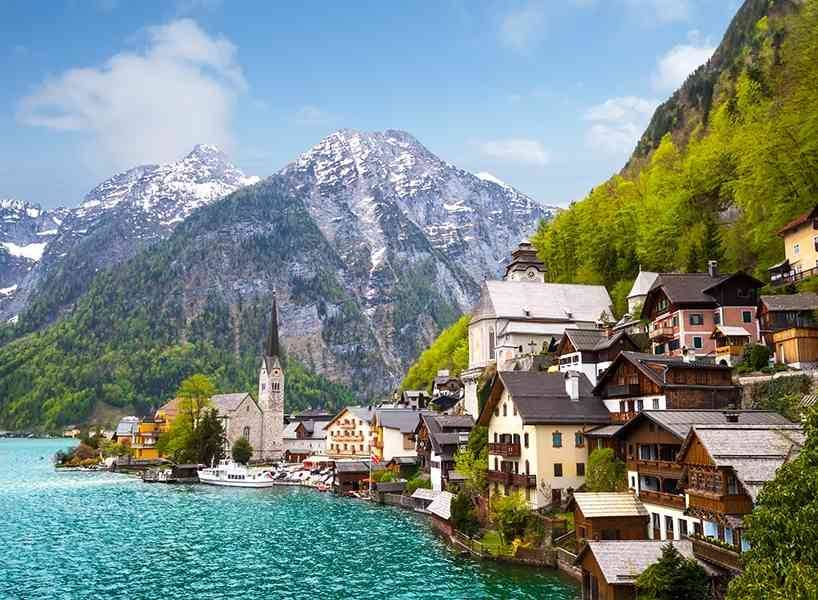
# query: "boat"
{"type": "Point", "coordinates": [231, 474]}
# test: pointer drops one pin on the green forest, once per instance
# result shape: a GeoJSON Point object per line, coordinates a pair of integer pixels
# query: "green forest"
{"type": "Point", "coordinates": [449, 351]}
{"type": "Point", "coordinates": [738, 160]}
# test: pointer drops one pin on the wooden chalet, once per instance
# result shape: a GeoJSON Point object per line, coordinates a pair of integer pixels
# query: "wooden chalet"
{"type": "Point", "coordinates": [591, 351]}
{"type": "Point", "coordinates": [725, 467]}
{"type": "Point", "coordinates": [797, 347]}
{"type": "Point", "coordinates": [608, 516]}
{"type": "Point", "coordinates": [784, 311]}
{"type": "Point", "coordinates": [637, 382]}
{"type": "Point", "coordinates": [438, 437]}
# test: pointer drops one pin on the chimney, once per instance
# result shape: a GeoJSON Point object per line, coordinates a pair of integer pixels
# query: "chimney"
{"type": "Point", "coordinates": [731, 416]}
{"type": "Point", "coordinates": [572, 385]}
{"type": "Point", "coordinates": [713, 268]}
{"type": "Point", "coordinates": [688, 355]}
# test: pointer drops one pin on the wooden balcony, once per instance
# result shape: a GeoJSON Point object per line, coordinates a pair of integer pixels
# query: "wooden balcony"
{"type": "Point", "coordinates": [794, 276]}
{"type": "Point", "coordinates": [658, 467]}
{"type": "Point", "coordinates": [660, 334]}
{"type": "Point", "coordinates": [663, 499]}
{"type": "Point", "coordinates": [716, 554]}
{"type": "Point", "coordinates": [732, 350]}
{"type": "Point", "coordinates": [524, 481]}
{"type": "Point", "coordinates": [622, 417]}
{"type": "Point", "coordinates": [499, 477]}
{"type": "Point", "coordinates": [624, 390]}
{"type": "Point", "coordinates": [703, 500]}
{"type": "Point", "coordinates": [504, 449]}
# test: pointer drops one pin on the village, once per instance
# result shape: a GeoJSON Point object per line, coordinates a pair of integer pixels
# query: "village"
{"type": "Point", "coordinates": [572, 440]}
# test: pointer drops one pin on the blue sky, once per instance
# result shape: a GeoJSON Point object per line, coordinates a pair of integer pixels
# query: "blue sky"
{"type": "Point", "coordinates": [550, 96]}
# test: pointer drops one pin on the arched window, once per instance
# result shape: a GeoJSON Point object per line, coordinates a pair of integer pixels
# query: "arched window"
{"type": "Point", "coordinates": [516, 438]}
{"type": "Point", "coordinates": [527, 470]}
{"type": "Point", "coordinates": [495, 437]}
{"type": "Point", "coordinates": [505, 410]}
{"type": "Point", "coordinates": [246, 432]}
{"type": "Point", "coordinates": [495, 464]}
{"type": "Point", "coordinates": [556, 439]}
{"type": "Point", "coordinates": [525, 440]}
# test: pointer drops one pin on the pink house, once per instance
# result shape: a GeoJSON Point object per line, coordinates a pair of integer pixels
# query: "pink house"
{"type": "Point", "coordinates": [684, 309]}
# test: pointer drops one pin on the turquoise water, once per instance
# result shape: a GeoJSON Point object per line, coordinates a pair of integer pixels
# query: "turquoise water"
{"type": "Point", "coordinates": [100, 535]}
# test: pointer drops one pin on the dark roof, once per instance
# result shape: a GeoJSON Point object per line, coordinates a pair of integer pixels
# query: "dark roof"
{"type": "Point", "coordinates": [356, 466]}
{"type": "Point", "coordinates": [642, 362]}
{"type": "Point", "coordinates": [542, 398]}
{"type": "Point", "coordinates": [314, 412]}
{"type": "Point", "coordinates": [444, 432]}
{"type": "Point", "coordinates": [693, 288]}
{"type": "Point", "coordinates": [403, 419]}
{"type": "Point", "coordinates": [605, 430]}
{"type": "Point", "coordinates": [226, 403]}
{"type": "Point", "coordinates": [404, 460]}
{"type": "Point", "coordinates": [271, 349]}
{"type": "Point", "coordinates": [679, 421]}
{"type": "Point", "coordinates": [798, 221]}
{"type": "Point", "coordinates": [593, 340]}
{"type": "Point", "coordinates": [802, 301]}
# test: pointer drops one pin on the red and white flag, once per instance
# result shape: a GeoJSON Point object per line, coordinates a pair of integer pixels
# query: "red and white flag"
{"type": "Point", "coordinates": [374, 458]}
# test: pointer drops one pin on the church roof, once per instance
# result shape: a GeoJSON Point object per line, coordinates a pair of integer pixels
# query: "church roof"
{"type": "Point", "coordinates": [642, 284]}
{"type": "Point", "coordinates": [226, 403]}
{"type": "Point", "coordinates": [272, 346]}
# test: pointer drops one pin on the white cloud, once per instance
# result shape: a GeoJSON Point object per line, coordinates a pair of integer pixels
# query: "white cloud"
{"type": "Point", "coordinates": [680, 61]}
{"type": "Point", "coordinates": [521, 29]}
{"type": "Point", "coordinates": [147, 106]}
{"type": "Point", "coordinates": [520, 150]}
{"type": "Point", "coordinates": [310, 115]}
{"type": "Point", "coordinates": [663, 11]}
{"type": "Point", "coordinates": [617, 123]}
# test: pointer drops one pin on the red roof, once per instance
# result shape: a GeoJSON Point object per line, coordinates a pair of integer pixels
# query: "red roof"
{"type": "Point", "coordinates": [798, 221]}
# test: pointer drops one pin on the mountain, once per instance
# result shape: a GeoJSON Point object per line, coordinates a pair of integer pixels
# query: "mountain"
{"type": "Point", "coordinates": [725, 162]}
{"type": "Point", "coordinates": [372, 243]}
{"type": "Point", "coordinates": [116, 220]}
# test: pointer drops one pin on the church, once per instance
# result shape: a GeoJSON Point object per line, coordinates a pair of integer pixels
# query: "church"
{"type": "Point", "coordinates": [260, 420]}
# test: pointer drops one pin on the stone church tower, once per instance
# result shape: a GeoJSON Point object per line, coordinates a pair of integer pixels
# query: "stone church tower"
{"type": "Point", "coordinates": [271, 394]}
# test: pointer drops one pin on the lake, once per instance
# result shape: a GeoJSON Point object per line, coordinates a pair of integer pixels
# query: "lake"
{"type": "Point", "coordinates": [102, 535]}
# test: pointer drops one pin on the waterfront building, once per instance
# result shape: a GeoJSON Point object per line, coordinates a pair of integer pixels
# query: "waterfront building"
{"type": "Point", "coordinates": [349, 433]}
{"type": "Point", "coordinates": [536, 428]}
{"type": "Point", "coordinates": [439, 437]}
{"type": "Point", "coordinates": [404, 467]}
{"type": "Point", "coordinates": [126, 429]}
{"type": "Point", "coordinates": [608, 516]}
{"type": "Point", "coordinates": [610, 568]}
{"type": "Point", "coordinates": [636, 381]}
{"type": "Point", "coordinates": [393, 432]}
{"type": "Point", "coordinates": [785, 311]}
{"type": "Point", "coordinates": [352, 475]}
{"type": "Point", "coordinates": [724, 469]}
{"type": "Point", "coordinates": [800, 250]}
{"type": "Point", "coordinates": [591, 351]}
{"type": "Point", "coordinates": [522, 316]}
{"type": "Point", "coordinates": [684, 308]}
{"type": "Point", "coordinates": [304, 438]}
{"type": "Point", "coordinates": [651, 442]}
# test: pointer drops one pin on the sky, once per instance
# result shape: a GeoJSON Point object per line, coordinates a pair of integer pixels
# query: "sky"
{"type": "Point", "coordinates": [548, 95]}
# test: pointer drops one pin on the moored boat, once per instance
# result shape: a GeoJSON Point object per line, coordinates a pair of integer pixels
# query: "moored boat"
{"type": "Point", "coordinates": [231, 474]}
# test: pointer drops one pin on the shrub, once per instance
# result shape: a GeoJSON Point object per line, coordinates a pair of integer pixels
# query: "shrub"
{"type": "Point", "coordinates": [242, 451]}
{"type": "Point", "coordinates": [464, 514]}
{"type": "Point", "coordinates": [755, 357]}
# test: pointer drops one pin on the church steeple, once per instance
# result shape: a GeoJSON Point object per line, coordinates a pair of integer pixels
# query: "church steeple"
{"type": "Point", "coordinates": [272, 349]}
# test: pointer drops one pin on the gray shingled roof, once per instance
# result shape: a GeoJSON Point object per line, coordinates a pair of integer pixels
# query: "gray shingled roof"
{"type": "Point", "coordinates": [606, 430]}
{"type": "Point", "coordinates": [621, 562]}
{"type": "Point", "coordinates": [642, 360]}
{"type": "Point", "coordinates": [444, 432]}
{"type": "Point", "coordinates": [442, 505]}
{"type": "Point", "coordinates": [609, 504]}
{"type": "Point", "coordinates": [585, 339]}
{"type": "Point", "coordinates": [679, 421]}
{"type": "Point", "coordinates": [541, 398]}
{"type": "Point", "coordinates": [642, 283]}
{"type": "Point", "coordinates": [783, 302]}
{"type": "Point", "coordinates": [364, 413]}
{"type": "Point", "coordinates": [549, 301]}
{"type": "Point", "coordinates": [403, 419]}
{"type": "Point", "coordinates": [226, 403]}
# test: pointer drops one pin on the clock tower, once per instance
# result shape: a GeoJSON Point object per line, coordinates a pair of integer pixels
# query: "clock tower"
{"type": "Point", "coordinates": [271, 394]}
{"type": "Point", "coordinates": [525, 265]}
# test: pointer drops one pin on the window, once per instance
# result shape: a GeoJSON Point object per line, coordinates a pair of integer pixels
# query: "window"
{"type": "Point", "coordinates": [361, 448]}
{"type": "Point", "coordinates": [514, 409]}
{"type": "Point", "coordinates": [673, 345]}
{"type": "Point", "coordinates": [659, 349]}
{"type": "Point", "coordinates": [246, 432]}
{"type": "Point", "coordinates": [669, 528]}
{"type": "Point", "coordinates": [656, 404]}
{"type": "Point", "coordinates": [796, 249]}
{"type": "Point", "coordinates": [505, 409]}
{"type": "Point", "coordinates": [557, 469]}
{"type": "Point", "coordinates": [556, 439]}
{"type": "Point", "coordinates": [496, 411]}
{"type": "Point", "coordinates": [580, 469]}
{"type": "Point", "coordinates": [579, 440]}
{"type": "Point", "coordinates": [633, 482]}
{"type": "Point", "coordinates": [640, 405]}
{"type": "Point", "coordinates": [527, 469]}
{"type": "Point", "coordinates": [815, 243]}
{"type": "Point", "coordinates": [746, 316]}
{"type": "Point", "coordinates": [696, 319]}
{"type": "Point", "coordinates": [525, 440]}
{"type": "Point", "coordinates": [717, 317]}
{"type": "Point", "coordinates": [495, 437]}
{"type": "Point", "coordinates": [697, 341]}
{"type": "Point", "coordinates": [495, 464]}
{"type": "Point", "coordinates": [491, 345]}
{"type": "Point", "coordinates": [675, 321]}
{"type": "Point", "coordinates": [682, 528]}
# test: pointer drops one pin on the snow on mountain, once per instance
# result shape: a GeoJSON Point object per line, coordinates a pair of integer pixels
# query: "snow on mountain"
{"type": "Point", "coordinates": [115, 220]}
{"type": "Point", "coordinates": [491, 178]}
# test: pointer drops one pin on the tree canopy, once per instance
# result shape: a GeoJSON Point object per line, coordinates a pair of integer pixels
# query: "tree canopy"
{"type": "Point", "coordinates": [450, 350]}
{"type": "Point", "coordinates": [605, 473]}
{"type": "Point", "coordinates": [673, 577]}
{"type": "Point", "coordinates": [242, 451]}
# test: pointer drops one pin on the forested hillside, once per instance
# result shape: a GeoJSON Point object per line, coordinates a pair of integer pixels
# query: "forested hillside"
{"type": "Point", "coordinates": [449, 351]}
{"type": "Point", "coordinates": [737, 158]}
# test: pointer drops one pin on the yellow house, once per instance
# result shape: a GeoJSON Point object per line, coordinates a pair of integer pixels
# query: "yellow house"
{"type": "Point", "coordinates": [393, 432]}
{"type": "Point", "coordinates": [349, 433]}
{"type": "Point", "coordinates": [144, 437]}
{"type": "Point", "coordinates": [800, 248]}
{"type": "Point", "coordinates": [536, 430]}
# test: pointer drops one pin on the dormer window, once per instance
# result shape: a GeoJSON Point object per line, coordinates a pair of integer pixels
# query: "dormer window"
{"type": "Point", "coordinates": [526, 312]}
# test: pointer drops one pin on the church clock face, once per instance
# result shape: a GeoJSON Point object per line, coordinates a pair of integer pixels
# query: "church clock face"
{"type": "Point", "coordinates": [531, 273]}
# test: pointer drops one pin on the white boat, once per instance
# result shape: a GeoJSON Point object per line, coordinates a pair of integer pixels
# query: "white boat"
{"type": "Point", "coordinates": [232, 474]}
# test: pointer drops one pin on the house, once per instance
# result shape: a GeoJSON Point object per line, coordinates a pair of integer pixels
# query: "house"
{"type": "Point", "coordinates": [591, 351]}
{"type": "Point", "coordinates": [126, 430]}
{"type": "Point", "coordinates": [637, 381]}
{"type": "Point", "coordinates": [724, 469]}
{"type": "Point", "coordinates": [352, 475]}
{"type": "Point", "coordinates": [524, 316]}
{"type": "Point", "coordinates": [438, 439]}
{"type": "Point", "coordinates": [610, 568]}
{"type": "Point", "coordinates": [608, 516]}
{"type": "Point", "coordinates": [800, 249]}
{"type": "Point", "coordinates": [349, 433]}
{"type": "Point", "coordinates": [536, 428]}
{"type": "Point", "coordinates": [404, 467]}
{"type": "Point", "coordinates": [730, 341]}
{"type": "Point", "coordinates": [651, 443]}
{"type": "Point", "coordinates": [143, 443]}
{"type": "Point", "coordinates": [71, 432]}
{"type": "Point", "coordinates": [304, 438]}
{"type": "Point", "coordinates": [447, 391]}
{"type": "Point", "coordinates": [797, 347]}
{"type": "Point", "coordinates": [784, 311]}
{"type": "Point", "coordinates": [684, 308]}
{"type": "Point", "coordinates": [417, 399]}
{"type": "Point", "coordinates": [393, 432]}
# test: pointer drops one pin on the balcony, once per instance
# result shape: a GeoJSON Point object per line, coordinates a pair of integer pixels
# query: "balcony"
{"type": "Point", "coordinates": [343, 425]}
{"type": "Point", "coordinates": [623, 390]}
{"type": "Point", "coordinates": [504, 449]}
{"type": "Point", "coordinates": [663, 499]}
{"type": "Point", "coordinates": [793, 276]}
{"type": "Point", "coordinates": [661, 467]}
{"type": "Point", "coordinates": [708, 502]}
{"type": "Point", "coordinates": [499, 477]}
{"type": "Point", "coordinates": [524, 481]}
{"type": "Point", "coordinates": [622, 417]}
{"type": "Point", "coordinates": [661, 334]}
{"type": "Point", "coordinates": [731, 350]}
{"type": "Point", "coordinates": [716, 554]}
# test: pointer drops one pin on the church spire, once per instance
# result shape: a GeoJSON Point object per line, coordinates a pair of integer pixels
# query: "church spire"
{"type": "Point", "coordinates": [272, 348]}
